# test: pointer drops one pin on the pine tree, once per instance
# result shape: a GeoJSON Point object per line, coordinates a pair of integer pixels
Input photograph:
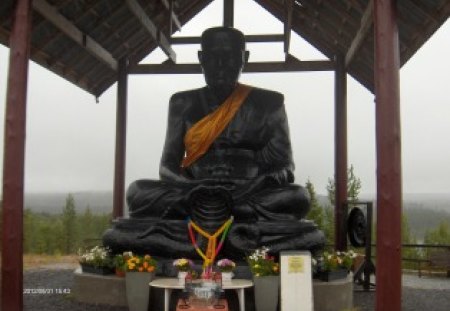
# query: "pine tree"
{"type": "Point", "coordinates": [408, 238]}
{"type": "Point", "coordinates": [353, 187]}
{"type": "Point", "coordinates": [316, 210]}
{"type": "Point", "coordinates": [440, 235]}
{"type": "Point", "coordinates": [69, 225]}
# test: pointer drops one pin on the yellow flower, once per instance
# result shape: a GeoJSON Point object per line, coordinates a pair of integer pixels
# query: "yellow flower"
{"type": "Point", "coordinates": [147, 257]}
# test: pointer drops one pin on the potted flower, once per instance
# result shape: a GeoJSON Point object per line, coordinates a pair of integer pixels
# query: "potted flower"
{"type": "Point", "coordinates": [334, 265]}
{"type": "Point", "coordinates": [226, 267]}
{"type": "Point", "coordinates": [183, 266]}
{"type": "Point", "coordinates": [265, 278]}
{"type": "Point", "coordinates": [119, 261]}
{"type": "Point", "coordinates": [140, 271]}
{"type": "Point", "coordinates": [96, 260]}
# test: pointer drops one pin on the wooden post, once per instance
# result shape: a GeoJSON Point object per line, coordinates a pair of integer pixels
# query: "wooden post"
{"type": "Point", "coordinates": [389, 173]}
{"type": "Point", "coordinates": [121, 140]}
{"type": "Point", "coordinates": [228, 13]}
{"type": "Point", "coordinates": [14, 159]}
{"type": "Point", "coordinates": [340, 155]}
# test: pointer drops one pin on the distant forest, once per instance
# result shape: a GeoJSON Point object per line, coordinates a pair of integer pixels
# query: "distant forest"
{"type": "Point", "coordinates": [62, 224]}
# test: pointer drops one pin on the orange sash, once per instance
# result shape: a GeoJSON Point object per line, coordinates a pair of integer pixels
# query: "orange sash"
{"type": "Point", "coordinates": [202, 134]}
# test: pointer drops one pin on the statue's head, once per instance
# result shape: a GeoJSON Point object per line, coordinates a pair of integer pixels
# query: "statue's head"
{"type": "Point", "coordinates": [222, 57]}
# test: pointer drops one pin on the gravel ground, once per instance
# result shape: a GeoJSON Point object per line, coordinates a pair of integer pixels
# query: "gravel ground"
{"type": "Point", "coordinates": [430, 294]}
{"type": "Point", "coordinates": [52, 280]}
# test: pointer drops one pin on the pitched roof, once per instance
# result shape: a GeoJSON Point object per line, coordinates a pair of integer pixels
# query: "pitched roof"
{"type": "Point", "coordinates": [83, 40]}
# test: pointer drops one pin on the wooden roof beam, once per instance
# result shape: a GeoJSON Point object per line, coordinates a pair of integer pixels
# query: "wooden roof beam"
{"type": "Point", "coordinates": [364, 29]}
{"type": "Point", "coordinates": [168, 4]}
{"type": "Point", "coordinates": [248, 39]}
{"type": "Point", "coordinates": [228, 13]}
{"type": "Point", "coordinates": [53, 38]}
{"type": "Point", "coordinates": [69, 29]}
{"type": "Point", "coordinates": [288, 8]}
{"type": "Point", "coordinates": [150, 26]}
{"type": "Point", "coordinates": [289, 66]}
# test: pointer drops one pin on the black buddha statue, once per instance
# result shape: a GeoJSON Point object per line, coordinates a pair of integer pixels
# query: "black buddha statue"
{"type": "Point", "coordinates": [227, 155]}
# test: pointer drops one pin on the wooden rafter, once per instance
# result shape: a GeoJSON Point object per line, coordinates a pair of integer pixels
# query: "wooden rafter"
{"type": "Point", "coordinates": [57, 36]}
{"type": "Point", "coordinates": [248, 39]}
{"type": "Point", "coordinates": [288, 66]}
{"type": "Point", "coordinates": [441, 15]}
{"type": "Point", "coordinates": [168, 4]}
{"type": "Point", "coordinates": [364, 29]}
{"type": "Point", "coordinates": [67, 27]}
{"type": "Point", "coordinates": [289, 7]}
{"type": "Point", "coordinates": [150, 26]}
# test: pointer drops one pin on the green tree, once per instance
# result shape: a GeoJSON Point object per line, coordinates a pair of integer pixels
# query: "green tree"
{"type": "Point", "coordinates": [408, 238]}
{"type": "Point", "coordinates": [316, 212]}
{"type": "Point", "coordinates": [329, 224]}
{"type": "Point", "coordinates": [86, 225]}
{"type": "Point", "coordinates": [353, 187]}
{"type": "Point", "coordinates": [29, 231]}
{"type": "Point", "coordinates": [69, 232]}
{"type": "Point", "coordinates": [440, 235]}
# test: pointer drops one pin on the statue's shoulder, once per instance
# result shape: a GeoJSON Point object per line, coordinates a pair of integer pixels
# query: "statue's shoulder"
{"type": "Point", "coordinates": [184, 99]}
{"type": "Point", "coordinates": [186, 95]}
{"type": "Point", "coordinates": [270, 98]}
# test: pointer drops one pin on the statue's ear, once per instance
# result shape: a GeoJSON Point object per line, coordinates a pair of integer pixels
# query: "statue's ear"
{"type": "Point", "coordinates": [200, 56]}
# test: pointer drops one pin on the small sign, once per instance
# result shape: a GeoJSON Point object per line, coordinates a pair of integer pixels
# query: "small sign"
{"type": "Point", "coordinates": [295, 264]}
{"type": "Point", "coordinates": [296, 281]}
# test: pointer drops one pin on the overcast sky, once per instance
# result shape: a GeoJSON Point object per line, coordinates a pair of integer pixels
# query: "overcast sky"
{"type": "Point", "coordinates": [70, 138]}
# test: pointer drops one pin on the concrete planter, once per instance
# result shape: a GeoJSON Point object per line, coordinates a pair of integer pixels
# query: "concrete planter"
{"type": "Point", "coordinates": [96, 270]}
{"type": "Point", "coordinates": [266, 292]}
{"type": "Point", "coordinates": [138, 290]}
{"type": "Point", "coordinates": [328, 276]}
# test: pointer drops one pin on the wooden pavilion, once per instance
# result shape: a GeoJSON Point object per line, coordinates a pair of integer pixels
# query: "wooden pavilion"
{"type": "Point", "coordinates": [94, 43]}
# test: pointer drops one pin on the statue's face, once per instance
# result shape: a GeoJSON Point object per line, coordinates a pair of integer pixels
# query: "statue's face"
{"type": "Point", "coordinates": [222, 60]}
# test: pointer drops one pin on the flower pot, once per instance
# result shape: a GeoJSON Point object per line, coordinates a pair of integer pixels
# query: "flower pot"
{"type": "Point", "coordinates": [328, 276]}
{"type": "Point", "coordinates": [96, 270]}
{"type": "Point", "coordinates": [182, 277]}
{"type": "Point", "coordinates": [227, 276]}
{"type": "Point", "coordinates": [266, 292]}
{"type": "Point", "coordinates": [138, 290]}
{"type": "Point", "coordinates": [120, 273]}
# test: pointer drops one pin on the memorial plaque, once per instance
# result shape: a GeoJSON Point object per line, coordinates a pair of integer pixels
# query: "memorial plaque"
{"type": "Point", "coordinates": [296, 281]}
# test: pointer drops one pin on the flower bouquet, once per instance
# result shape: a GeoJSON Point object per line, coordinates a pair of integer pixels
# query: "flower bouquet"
{"type": "Point", "coordinates": [183, 264]}
{"type": "Point", "coordinates": [120, 261]}
{"type": "Point", "coordinates": [262, 264]}
{"type": "Point", "coordinates": [226, 267]}
{"type": "Point", "coordinates": [140, 264]}
{"type": "Point", "coordinates": [96, 260]}
{"type": "Point", "coordinates": [334, 265]}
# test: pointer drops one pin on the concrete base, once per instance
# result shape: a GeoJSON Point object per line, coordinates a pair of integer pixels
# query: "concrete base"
{"type": "Point", "coordinates": [99, 289]}
{"type": "Point", "coordinates": [335, 295]}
